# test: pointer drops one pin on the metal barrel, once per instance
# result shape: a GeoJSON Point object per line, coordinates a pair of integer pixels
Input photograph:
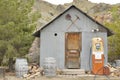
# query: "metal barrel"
{"type": "Point", "coordinates": [21, 67]}
{"type": "Point", "coordinates": [2, 73]}
{"type": "Point", "coordinates": [50, 67]}
{"type": "Point", "coordinates": [117, 63]}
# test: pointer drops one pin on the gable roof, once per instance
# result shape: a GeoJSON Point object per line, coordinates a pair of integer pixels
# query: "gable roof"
{"type": "Point", "coordinates": [109, 32]}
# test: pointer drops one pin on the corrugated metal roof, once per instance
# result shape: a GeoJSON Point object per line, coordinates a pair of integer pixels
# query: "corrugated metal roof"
{"type": "Point", "coordinates": [109, 32]}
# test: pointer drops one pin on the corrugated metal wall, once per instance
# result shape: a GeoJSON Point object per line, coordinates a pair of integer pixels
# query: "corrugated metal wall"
{"type": "Point", "coordinates": [54, 46]}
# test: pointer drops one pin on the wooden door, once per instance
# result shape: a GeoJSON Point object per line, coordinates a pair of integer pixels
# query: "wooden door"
{"type": "Point", "coordinates": [72, 50]}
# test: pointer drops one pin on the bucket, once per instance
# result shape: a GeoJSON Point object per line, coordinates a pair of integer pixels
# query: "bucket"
{"type": "Point", "coordinates": [49, 67]}
{"type": "Point", "coordinates": [21, 67]}
{"type": "Point", "coordinates": [117, 63]}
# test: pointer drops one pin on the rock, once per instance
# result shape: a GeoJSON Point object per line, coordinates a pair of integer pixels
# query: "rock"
{"type": "Point", "coordinates": [60, 8]}
{"type": "Point", "coordinates": [106, 17]}
{"type": "Point", "coordinates": [34, 52]}
{"type": "Point", "coordinates": [115, 72]}
{"type": "Point", "coordinates": [99, 8]}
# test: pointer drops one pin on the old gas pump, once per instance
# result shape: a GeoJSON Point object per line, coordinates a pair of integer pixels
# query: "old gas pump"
{"type": "Point", "coordinates": [97, 55]}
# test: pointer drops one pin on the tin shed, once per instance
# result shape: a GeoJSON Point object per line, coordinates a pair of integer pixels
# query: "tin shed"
{"type": "Point", "coordinates": [67, 38]}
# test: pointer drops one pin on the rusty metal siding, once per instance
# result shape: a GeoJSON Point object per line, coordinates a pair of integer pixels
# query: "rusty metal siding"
{"type": "Point", "coordinates": [54, 46]}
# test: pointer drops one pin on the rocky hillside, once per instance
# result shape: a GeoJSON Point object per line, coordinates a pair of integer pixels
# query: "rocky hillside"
{"type": "Point", "coordinates": [49, 11]}
{"type": "Point", "coordinates": [101, 12]}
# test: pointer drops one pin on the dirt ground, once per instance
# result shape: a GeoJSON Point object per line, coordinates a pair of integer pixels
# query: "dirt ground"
{"type": "Point", "coordinates": [61, 77]}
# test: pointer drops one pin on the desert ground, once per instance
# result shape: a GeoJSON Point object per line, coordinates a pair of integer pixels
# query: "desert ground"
{"type": "Point", "coordinates": [12, 76]}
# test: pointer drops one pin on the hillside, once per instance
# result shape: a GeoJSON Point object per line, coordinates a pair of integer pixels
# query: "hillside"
{"type": "Point", "coordinates": [49, 11]}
